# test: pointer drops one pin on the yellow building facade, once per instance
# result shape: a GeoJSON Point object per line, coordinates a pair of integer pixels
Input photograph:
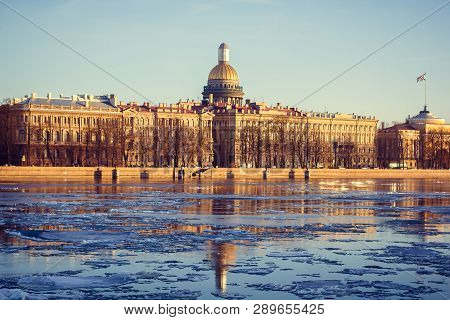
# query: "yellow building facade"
{"type": "Point", "coordinates": [86, 130]}
{"type": "Point", "coordinates": [423, 141]}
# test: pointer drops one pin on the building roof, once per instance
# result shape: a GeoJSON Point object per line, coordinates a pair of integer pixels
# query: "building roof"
{"type": "Point", "coordinates": [399, 127]}
{"type": "Point", "coordinates": [425, 117]}
{"type": "Point", "coordinates": [76, 101]}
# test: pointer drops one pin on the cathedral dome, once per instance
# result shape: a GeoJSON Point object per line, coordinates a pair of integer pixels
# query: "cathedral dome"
{"type": "Point", "coordinates": [223, 81]}
{"type": "Point", "coordinates": [223, 71]}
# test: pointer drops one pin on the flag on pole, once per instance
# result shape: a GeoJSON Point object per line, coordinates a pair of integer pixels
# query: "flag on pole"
{"type": "Point", "coordinates": [421, 77]}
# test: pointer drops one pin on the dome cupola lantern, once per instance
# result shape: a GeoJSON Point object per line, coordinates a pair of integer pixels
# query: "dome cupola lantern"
{"type": "Point", "coordinates": [224, 53]}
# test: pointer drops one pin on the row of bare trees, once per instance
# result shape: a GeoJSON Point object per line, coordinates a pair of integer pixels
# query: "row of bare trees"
{"type": "Point", "coordinates": [280, 143]}
{"type": "Point", "coordinates": [104, 143]}
{"type": "Point", "coordinates": [429, 151]}
{"type": "Point", "coordinates": [179, 145]}
{"type": "Point", "coordinates": [116, 141]}
{"type": "Point", "coordinates": [436, 150]}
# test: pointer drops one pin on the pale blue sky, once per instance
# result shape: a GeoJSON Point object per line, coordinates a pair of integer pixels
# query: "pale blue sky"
{"type": "Point", "coordinates": [283, 50]}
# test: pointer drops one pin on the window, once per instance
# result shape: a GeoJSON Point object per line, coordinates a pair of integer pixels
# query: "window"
{"type": "Point", "coordinates": [22, 135]}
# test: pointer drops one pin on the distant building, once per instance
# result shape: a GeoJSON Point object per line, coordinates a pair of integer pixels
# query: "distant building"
{"type": "Point", "coordinates": [222, 130]}
{"type": "Point", "coordinates": [421, 142]}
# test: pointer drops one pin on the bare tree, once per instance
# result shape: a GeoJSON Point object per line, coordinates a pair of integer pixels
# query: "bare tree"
{"type": "Point", "coordinates": [145, 144]}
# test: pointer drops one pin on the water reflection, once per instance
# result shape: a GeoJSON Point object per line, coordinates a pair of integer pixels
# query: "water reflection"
{"type": "Point", "coordinates": [222, 255]}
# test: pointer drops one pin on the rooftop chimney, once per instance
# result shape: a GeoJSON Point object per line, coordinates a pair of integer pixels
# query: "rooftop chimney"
{"type": "Point", "coordinates": [113, 99]}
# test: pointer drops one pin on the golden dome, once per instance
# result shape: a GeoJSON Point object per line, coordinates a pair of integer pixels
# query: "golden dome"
{"type": "Point", "coordinates": [223, 71]}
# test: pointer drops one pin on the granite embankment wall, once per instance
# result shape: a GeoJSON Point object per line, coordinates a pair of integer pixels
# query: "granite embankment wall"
{"type": "Point", "coordinates": [219, 173]}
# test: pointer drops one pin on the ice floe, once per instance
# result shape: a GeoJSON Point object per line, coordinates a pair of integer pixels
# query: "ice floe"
{"type": "Point", "coordinates": [43, 283]}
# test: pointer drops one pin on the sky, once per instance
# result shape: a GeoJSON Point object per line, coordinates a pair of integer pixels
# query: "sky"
{"type": "Point", "coordinates": [282, 50]}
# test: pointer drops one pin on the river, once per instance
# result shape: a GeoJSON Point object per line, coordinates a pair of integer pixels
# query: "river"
{"type": "Point", "coordinates": [225, 239]}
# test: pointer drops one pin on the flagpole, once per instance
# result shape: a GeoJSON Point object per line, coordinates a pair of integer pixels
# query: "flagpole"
{"type": "Point", "coordinates": [420, 79]}
{"type": "Point", "coordinates": [425, 92]}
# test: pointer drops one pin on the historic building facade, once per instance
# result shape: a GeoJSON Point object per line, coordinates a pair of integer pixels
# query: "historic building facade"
{"type": "Point", "coordinates": [86, 130]}
{"type": "Point", "coordinates": [422, 141]}
{"type": "Point", "coordinates": [222, 130]}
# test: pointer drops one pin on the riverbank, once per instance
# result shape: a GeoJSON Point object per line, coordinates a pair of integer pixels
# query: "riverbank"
{"type": "Point", "coordinates": [217, 173]}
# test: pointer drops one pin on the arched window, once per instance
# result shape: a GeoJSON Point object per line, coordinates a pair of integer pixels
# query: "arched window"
{"type": "Point", "coordinates": [67, 136]}
{"type": "Point", "coordinates": [57, 136]}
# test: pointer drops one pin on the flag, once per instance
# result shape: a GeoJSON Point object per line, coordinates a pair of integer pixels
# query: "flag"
{"type": "Point", "coordinates": [421, 77]}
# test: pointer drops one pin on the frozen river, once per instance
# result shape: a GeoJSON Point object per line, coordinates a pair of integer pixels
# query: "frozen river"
{"type": "Point", "coordinates": [326, 239]}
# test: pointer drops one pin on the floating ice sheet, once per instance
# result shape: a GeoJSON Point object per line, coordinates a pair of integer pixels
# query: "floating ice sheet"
{"type": "Point", "coordinates": [45, 283]}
